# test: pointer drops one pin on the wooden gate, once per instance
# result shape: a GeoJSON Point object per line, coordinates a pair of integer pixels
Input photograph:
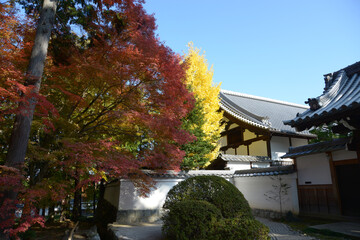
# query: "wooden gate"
{"type": "Point", "coordinates": [317, 199]}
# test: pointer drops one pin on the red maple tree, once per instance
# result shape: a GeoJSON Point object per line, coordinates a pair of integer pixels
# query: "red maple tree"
{"type": "Point", "coordinates": [119, 98]}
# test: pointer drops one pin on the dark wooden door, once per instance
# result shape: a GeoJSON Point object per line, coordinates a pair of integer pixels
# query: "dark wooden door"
{"type": "Point", "coordinates": [349, 188]}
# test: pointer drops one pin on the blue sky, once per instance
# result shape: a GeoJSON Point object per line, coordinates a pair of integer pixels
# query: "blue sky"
{"type": "Point", "coordinates": [278, 49]}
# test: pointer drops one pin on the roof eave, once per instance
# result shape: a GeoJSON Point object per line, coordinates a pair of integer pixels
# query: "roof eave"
{"type": "Point", "coordinates": [237, 116]}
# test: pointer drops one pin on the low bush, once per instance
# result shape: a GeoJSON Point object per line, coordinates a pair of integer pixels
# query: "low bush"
{"type": "Point", "coordinates": [213, 189]}
{"type": "Point", "coordinates": [190, 219]}
{"type": "Point", "coordinates": [238, 228]}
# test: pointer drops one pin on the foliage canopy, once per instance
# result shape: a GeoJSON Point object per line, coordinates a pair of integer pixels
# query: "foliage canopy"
{"type": "Point", "coordinates": [111, 101]}
{"type": "Point", "coordinates": [204, 120]}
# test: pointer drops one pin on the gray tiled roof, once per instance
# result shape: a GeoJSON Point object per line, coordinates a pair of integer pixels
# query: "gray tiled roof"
{"type": "Point", "coordinates": [261, 112]}
{"type": "Point", "coordinates": [227, 174]}
{"type": "Point", "coordinates": [243, 158]}
{"type": "Point", "coordinates": [321, 147]}
{"type": "Point", "coordinates": [341, 95]}
{"type": "Point", "coordinates": [191, 173]}
{"type": "Point", "coordinates": [271, 171]}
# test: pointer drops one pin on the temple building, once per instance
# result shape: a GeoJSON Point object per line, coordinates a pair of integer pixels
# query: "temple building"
{"type": "Point", "coordinates": [329, 172]}
{"type": "Point", "coordinates": [255, 135]}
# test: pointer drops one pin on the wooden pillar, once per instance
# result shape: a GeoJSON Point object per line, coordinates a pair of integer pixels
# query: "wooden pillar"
{"type": "Point", "coordinates": [334, 181]}
{"type": "Point", "coordinates": [268, 145]}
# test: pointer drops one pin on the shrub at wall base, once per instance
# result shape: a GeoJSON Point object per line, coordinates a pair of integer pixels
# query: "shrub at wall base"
{"type": "Point", "coordinates": [190, 219]}
{"type": "Point", "coordinates": [209, 207]}
{"type": "Point", "coordinates": [213, 189]}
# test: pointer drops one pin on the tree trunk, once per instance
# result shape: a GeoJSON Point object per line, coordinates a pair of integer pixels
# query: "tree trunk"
{"type": "Point", "coordinates": [51, 214]}
{"type": "Point", "coordinates": [98, 214]}
{"type": "Point", "coordinates": [21, 130]}
{"type": "Point", "coordinates": [77, 202]}
{"type": "Point", "coordinates": [94, 200]}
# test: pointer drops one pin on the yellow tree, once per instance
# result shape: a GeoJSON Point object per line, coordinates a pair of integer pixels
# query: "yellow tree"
{"type": "Point", "coordinates": [199, 79]}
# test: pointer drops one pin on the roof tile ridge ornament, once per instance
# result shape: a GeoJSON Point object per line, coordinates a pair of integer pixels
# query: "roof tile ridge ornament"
{"type": "Point", "coordinates": [266, 121]}
{"type": "Point", "coordinates": [332, 86]}
{"type": "Point", "coordinates": [263, 99]}
{"type": "Point", "coordinates": [328, 78]}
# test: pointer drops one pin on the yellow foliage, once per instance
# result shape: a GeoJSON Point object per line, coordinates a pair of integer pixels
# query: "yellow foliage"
{"type": "Point", "coordinates": [199, 78]}
{"type": "Point", "coordinates": [102, 173]}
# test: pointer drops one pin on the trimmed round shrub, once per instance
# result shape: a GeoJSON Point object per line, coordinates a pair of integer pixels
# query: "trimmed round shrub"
{"type": "Point", "coordinates": [238, 228]}
{"type": "Point", "coordinates": [189, 219]}
{"type": "Point", "coordinates": [213, 189]}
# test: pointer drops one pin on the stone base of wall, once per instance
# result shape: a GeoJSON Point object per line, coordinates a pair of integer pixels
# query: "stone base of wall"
{"type": "Point", "coordinates": [264, 213]}
{"type": "Point", "coordinates": [138, 216]}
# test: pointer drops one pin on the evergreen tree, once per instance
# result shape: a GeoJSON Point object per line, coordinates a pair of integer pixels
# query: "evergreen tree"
{"type": "Point", "coordinates": [197, 152]}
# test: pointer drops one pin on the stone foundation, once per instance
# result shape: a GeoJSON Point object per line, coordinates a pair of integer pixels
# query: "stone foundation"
{"type": "Point", "coordinates": [264, 213]}
{"type": "Point", "coordinates": [138, 216]}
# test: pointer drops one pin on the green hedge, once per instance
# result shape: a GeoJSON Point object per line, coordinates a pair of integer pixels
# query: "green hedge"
{"type": "Point", "coordinates": [238, 228]}
{"type": "Point", "coordinates": [190, 219]}
{"type": "Point", "coordinates": [213, 189]}
{"type": "Point", "coordinates": [211, 208]}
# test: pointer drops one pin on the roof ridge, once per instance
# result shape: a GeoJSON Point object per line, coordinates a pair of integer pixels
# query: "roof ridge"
{"type": "Point", "coordinates": [263, 99]}
{"type": "Point", "coordinates": [351, 69]}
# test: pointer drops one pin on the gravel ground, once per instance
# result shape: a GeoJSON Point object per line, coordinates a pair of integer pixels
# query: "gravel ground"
{"type": "Point", "coordinates": [281, 231]}
{"type": "Point", "coordinates": [278, 231]}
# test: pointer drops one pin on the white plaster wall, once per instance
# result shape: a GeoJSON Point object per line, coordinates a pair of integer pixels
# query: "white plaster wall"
{"type": "Point", "coordinates": [258, 148]}
{"type": "Point", "coordinates": [131, 200]}
{"type": "Point", "coordinates": [313, 168]}
{"type": "Point", "coordinates": [257, 189]}
{"type": "Point", "coordinates": [279, 146]}
{"type": "Point", "coordinates": [238, 165]}
{"type": "Point", "coordinates": [260, 165]}
{"type": "Point", "coordinates": [296, 142]}
{"type": "Point", "coordinates": [343, 155]}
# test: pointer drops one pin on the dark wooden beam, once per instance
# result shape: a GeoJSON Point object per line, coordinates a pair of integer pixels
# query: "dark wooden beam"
{"type": "Point", "coordinates": [226, 132]}
{"type": "Point", "coordinates": [346, 162]}
{"type": "Point", "coordinates": [279, 134]}
{"type": "Point", "coordinates": [250, 141]}
{"type": "Point", "coordinates": [228, 124]}
{"type": "Point", "coordinates": [245, 143]}
{"type": "Point", "coordinates": [254, 129]}
{"type": "Point", "coordinates": [268, 147]}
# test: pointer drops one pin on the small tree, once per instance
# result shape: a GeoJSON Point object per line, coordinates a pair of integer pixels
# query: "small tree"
{"type": "Point", "coordinates": [198, 150]}
{"type": "Point", "coordinates": [279, 193]}
{"type": "Point", "coordinates": [325, 133]}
